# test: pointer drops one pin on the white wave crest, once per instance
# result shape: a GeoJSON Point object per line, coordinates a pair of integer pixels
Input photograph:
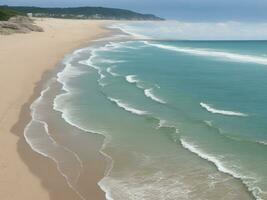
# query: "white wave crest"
{"type": "Point", "coordinates": [149, 93]}
{"type": "Point", "coordinates": [247, 181]}
{"type": "Point", "coordinates": [179, 30]}
{"type": "Point", "coordinates": [213, 53]}
{"type": "Point", "coordinates": [131, 79]}
{"type": "Point", "coordinates": [222, 112]}
{"type": "Point", "coordinates": [44, 144]}
{"type": "Point", "coordinates": [109, 61]}
{"type": "Point", "coordinates": [127, 29]}
{"type": "Point", "coordinates": [127, 107]}
{"type": "Point", "coordinates": [262, 142]}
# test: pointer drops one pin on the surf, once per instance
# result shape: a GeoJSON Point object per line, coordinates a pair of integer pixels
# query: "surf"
{"type": "Point", "coordinates": [222, 112]}
{"type": "Point", "coordinates": [210, 53]}
{"type": "Point", "coordinates": [127, 107]}
{"type": "Point", "coordinates": [221, 166]}
{"type": "Point", "coordinates": [149, 93]}
{"type": "Point", "coordinates": [132, 79]}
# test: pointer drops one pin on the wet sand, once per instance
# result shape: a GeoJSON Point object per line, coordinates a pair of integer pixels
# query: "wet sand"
{"type": "Point", "coordinates": [25, 60]}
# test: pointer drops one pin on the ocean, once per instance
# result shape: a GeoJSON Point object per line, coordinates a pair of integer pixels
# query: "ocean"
{"type": "Point", "coordinates": [181, 119]}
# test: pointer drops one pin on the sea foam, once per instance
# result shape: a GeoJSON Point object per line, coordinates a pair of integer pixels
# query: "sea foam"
{"type": "Point", "coordinates": [47, 146]}
{"type": "Point", "coordinates": [127, 29]}
{"type": "Point", "coordinates": [221, 166]}
{"type": "Point", "coordinates": [222, 112]}
{"type": "Point", "coordinates": [213, 53]}
{"type": "Point", "coordinates": [149, 93]}
{"type": "Point", "coordinates": [109, 61]}
{"type": "Point", "coordinates": [127, 107]}
{"type": "Point", "coordinates": [131, 79]}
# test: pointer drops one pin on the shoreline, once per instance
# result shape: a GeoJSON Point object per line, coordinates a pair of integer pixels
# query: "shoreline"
{"type": "Point", "coordinates": [43, 170]}
{"type": "Point", "coordinates": [42, 167]}
{"type": "Point", "coordinates": [23, 168]}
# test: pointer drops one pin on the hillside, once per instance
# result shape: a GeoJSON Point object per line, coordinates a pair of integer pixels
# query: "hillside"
{"type": "Point", "coordinates": [6, 13]}
{"type": "Point", "coordinates": [15, 22]}
{"type": "Point", "coordinates": [86, 13]}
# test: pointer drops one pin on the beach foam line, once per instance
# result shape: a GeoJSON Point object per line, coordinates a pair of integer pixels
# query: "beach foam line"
{"type": "Point", "coordinates": [222, 112]}
{"type": "Point", "coordinates": [194, 149]}
{"type": "Point", "coordinates": [127, 107]}
{"type": "Point", "coordinates": [109, 61]}
{"type": "Point", "coordinates": [36, 144]}
{"type": "Point", "coordinates": [262, 142]}
{"type": "Point", "coordinates": [157, 185]}
{"type": "Point", "coordinates": [119, 47]}
{"type": "Point", "coordinates": [113, 37]}
{"type": "Point", "coordinates": [69, 71]}
{"type": "Point", "coordinates": [127, 30]}
{"type": "Point", "coordinates": [90, 62]}
{"type": "Point", "coordinates": [69, 91]}
{"type": "Point", "coordinates": [62, 78]}
{"type": "Point", "coordinates": [164, 124]}
{"type": "Point", "coordinates": [213, 53]}
{"type": "Point", "coordinates": [149, 93]}
{"type": "Point", "coordinates": [247, 181]}
{"type": "Point", "coordinates": [124, 45]}
{"type": "Point", "coordinates": [131, 79]}
{"type": "Point", "coordinates": [67, 118]}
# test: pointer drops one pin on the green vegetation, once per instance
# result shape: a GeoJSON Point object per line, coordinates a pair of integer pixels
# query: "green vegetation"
{"type": "Point", "coordinates": [6, 13]}
{"type": "Point", "coordinates": [86, 13]}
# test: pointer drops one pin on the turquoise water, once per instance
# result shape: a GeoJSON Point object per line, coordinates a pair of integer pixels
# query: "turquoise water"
{"type": "Point", "coordinates": [181, 119]}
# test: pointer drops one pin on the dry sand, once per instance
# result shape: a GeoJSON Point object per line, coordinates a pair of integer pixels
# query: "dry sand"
{"type": "Point", "coordinates": [24, 58]}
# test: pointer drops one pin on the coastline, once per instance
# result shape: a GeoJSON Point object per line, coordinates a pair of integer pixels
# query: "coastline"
{"type": "Point", "coordinates": [21, 167]}
{"type": "Point", "coordinates": [42, 167]}
{"type": "Point", "coordinates": [43, 172]}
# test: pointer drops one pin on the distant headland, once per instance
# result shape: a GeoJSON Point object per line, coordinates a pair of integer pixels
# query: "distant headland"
{"type": "Point", "coordinates": [81, 13]}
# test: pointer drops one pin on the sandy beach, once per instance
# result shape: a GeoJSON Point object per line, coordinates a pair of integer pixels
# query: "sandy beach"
{"type": "Point", "coordinates": [25, 60]}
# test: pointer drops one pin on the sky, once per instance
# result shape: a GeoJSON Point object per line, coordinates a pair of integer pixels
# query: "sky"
{"type": "Point", "coordinates": [184, 10]}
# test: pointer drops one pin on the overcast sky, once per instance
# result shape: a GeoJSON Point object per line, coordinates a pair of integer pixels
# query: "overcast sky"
{"type": "Point", "coordinates": [185, 10]}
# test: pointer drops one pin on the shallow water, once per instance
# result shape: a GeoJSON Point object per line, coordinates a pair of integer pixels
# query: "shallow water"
{"type": "Point", "coordinates": [182, 119]}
